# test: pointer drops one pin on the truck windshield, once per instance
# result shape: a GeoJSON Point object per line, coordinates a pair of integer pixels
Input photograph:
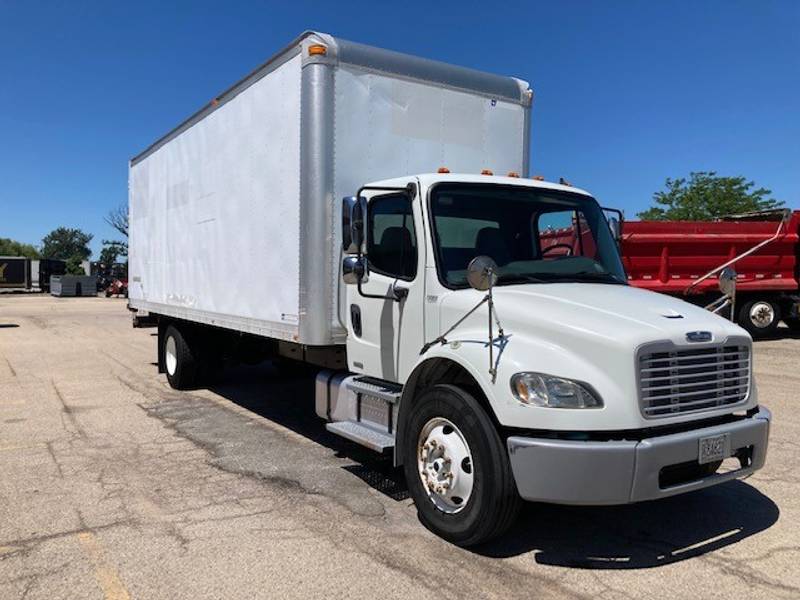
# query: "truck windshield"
{"type": "Point", "coordinates": [534, 235]}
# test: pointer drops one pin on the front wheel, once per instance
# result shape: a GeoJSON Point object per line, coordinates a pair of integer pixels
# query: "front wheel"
{"type": "Point", "coordinates": [457, 468]}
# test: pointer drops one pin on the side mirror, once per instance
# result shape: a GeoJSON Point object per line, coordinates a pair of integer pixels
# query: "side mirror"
{"type": "Point", "coordinates": [354, 269]}
{"type": "Point", "coordinates": [482, 273]}
{"type": "Point", "coordinates": [347, 233]}
{"type": "Point", "coordinates": [616, 228]}
{"type": "Point", "coordinates": [354, 212]}
{"type": "Point", "coordinates": [358, 225]}
{"type": "Point", "coordinates": [727, 282]}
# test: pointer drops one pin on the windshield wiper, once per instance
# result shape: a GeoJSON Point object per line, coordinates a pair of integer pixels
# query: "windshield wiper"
{"type": "Point", "coordinates": [595, 276]}
{"type": "Point", "coordinates": [519, 278]}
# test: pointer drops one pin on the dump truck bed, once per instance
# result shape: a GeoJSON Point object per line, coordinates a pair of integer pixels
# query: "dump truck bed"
{"type": "Point", "coordinates": [669, 256]}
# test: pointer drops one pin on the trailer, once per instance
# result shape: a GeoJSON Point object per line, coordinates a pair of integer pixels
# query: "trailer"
{"type": "Point", "coordinates": [15, 273]}
{"type": "Point", "coordinates": [684, 259]}
{"type": "Point", "coordinates": [369, 212]}
{"type": "Point", "coordinates": [43, 269]}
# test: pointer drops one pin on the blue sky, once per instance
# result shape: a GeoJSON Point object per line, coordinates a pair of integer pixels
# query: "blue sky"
{"type": "Point", "coordinates": [627, 93]}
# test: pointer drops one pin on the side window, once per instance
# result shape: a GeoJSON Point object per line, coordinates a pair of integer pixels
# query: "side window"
{"type": "Point", "coordinates": [392, 241]}
{"type": "Point", "coordinates": [563, 233]}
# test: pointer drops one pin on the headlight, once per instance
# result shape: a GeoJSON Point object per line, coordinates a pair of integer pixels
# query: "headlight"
{"type": "Point", "coordinates": [538, 389]}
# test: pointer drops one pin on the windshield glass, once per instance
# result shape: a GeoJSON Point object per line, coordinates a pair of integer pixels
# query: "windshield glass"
{"type": "Point", "coordinates": [534, 235]}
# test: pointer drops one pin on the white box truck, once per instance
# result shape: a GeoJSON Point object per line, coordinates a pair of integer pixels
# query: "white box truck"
{"type": "Point", "coordinates": [476, 323]}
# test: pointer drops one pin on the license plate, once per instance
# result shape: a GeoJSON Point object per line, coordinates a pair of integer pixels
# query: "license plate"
{"type": "Point", "coordinates": [714, 448]}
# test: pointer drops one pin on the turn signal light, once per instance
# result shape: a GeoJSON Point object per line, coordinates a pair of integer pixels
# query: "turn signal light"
{"type": "Point", "coordinates": [512, 174]}
{"type": "Point", "coordinates": [443, 170]}
{"type": "Point", "coordinates": [317, 49]}
{"type": "Point", "coordinates": [487, 172]}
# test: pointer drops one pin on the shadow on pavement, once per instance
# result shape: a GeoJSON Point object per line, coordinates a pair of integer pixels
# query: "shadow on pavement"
{"type": "Point", "coordinates": [634, 536]}
{"type": "Point", "coordinates": [637, 536]}
{"type": "Point", "coordinates": [781, 333]}
{"type": "Point", "coordinates": [286, 396]}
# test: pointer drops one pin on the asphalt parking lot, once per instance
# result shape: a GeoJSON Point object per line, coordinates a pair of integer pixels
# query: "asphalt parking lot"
{"type": "Point", "coordinates": [112, 485]}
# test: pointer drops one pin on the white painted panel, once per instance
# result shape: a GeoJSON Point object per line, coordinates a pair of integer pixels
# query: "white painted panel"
{"type": "Point", "coordinates": [215, 211]}
{"type": "Point", "coordinates": [388, 127]}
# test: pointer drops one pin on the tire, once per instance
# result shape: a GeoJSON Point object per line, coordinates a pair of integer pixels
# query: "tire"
{"type": "Point", "coordinates": [454, 417]}
{"type": "Point", "coordinates": [181, 362]}
{"type": "Point", "coordinates": [760, 316]}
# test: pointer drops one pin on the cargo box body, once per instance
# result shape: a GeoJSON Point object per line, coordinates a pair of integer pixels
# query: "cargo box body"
{"type": "Point", "coordinates": [15, 272]}
{"type": "Point", "coordinates": [48, 268]}
{"type": "Point", "coordinates": [234, 215]}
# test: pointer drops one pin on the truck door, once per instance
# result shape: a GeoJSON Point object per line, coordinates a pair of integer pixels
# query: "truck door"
{"type": "Point", "coordinates": [385, 334]}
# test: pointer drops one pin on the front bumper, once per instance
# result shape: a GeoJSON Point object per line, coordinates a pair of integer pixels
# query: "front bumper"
{"type": "Point", "coordinates": [624, 471]}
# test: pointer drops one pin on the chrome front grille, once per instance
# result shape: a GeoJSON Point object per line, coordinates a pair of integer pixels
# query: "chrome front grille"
{"type": "Point", "coordinates": [682, 380]}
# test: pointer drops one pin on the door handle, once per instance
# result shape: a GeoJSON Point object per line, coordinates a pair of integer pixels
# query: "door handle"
{"type": "Point", "coordinates": [355, 319]}
{"type": "Point", "coordinates": [399, 291]}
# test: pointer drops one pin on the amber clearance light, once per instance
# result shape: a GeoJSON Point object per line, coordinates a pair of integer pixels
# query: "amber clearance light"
{"type": "Point", "coordinates": [317, 50]}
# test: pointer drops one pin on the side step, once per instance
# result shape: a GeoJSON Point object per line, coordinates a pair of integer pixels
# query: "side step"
{"type": "Point", "coordinates": [363, 434]}
{"type": "Point", "coordinates": [377, 389]}
{"type": "Point", "coordinates": [371, 418]}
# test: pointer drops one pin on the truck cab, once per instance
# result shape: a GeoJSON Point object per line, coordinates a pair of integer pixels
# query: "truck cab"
{"type": "Point", "coordinates": [494, 345]}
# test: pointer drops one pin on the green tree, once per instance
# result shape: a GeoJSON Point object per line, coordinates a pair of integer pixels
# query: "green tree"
{"type": "Point", "coordinates": [111, 251]}
{"type": "Point", "coordinates": [65, 243]}
{"type": "Point", "coordinates": [706, 196]}
{"type": "Point", "coordinates": [9, 247]}
{"type": "Point", "coordinates": [74, 266]}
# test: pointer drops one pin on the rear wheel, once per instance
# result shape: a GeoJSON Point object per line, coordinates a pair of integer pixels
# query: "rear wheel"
{"type": "Point", "coordinates": [760, 316]}
{"type": "Point", "coordinates": [457, 468]}
{"type": "Point", "coordinates": [180, 361]}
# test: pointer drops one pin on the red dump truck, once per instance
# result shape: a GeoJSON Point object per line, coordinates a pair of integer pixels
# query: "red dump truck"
{"type": "Point", "coordinates": [685, 258]}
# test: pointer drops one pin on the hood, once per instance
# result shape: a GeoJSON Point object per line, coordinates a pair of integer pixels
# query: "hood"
{"type": "Point", "coordinates": [614, 314]}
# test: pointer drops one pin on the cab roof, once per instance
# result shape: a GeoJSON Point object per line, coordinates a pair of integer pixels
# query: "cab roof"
{"type": "Point", "coordinates": [429, 179]}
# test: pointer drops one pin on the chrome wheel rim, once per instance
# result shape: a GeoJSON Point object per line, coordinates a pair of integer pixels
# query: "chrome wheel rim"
{"type": "Point", "coordinates": [445, 465]}
{"type": "Point", "coordinates": [762, 314]}
{"type": "Point", "coordinates": [171, 355]}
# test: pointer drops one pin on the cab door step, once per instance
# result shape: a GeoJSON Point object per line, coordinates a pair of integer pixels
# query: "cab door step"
{"type": "Point", "coordinates": [367, 412]}
{"type": "Point", "coordinates": [364, 434]}
{"type": "Point", "coordinates": [366, 386]}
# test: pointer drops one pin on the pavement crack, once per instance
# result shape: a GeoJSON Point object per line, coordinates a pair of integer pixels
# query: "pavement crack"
{"type": "Point", "coordinates": [57, 463]}
{"type": "Point", "coordinates": [68, 411]}
{"type": "Point", "coordinates": [742, 570]}
{"type": "Point", "coordinates": [25, 544]}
